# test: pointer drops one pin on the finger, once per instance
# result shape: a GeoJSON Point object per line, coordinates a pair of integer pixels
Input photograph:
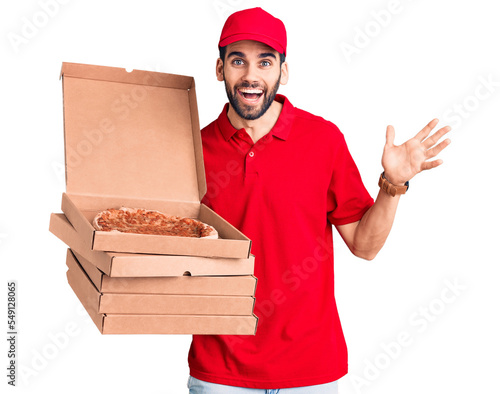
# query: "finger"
{"type": "Point", "coordinates": [431, 164]}
{"type": "Point", "coordinates": [422, 134]}
{"type": "Point", "coordinates": [389, 136]}
{"type": "Point", "coordinates": [438, 148]}
{"type": "Point", "coordinates": [429, 142]}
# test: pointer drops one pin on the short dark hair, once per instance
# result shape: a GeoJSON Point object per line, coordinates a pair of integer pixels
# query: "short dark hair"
{"type": "Point", "coordinates": [222, 55]}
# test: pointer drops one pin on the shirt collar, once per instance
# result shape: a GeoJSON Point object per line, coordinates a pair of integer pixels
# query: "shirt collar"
{"type": "Point", "coordinates": [281, 129]}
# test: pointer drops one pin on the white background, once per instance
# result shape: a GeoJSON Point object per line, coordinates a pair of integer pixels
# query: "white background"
{"type": "Point", "coordinates": [421, 59]}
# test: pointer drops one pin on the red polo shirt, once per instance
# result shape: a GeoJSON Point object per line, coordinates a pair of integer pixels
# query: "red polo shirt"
{"type": "Point", "coordinates": [284, 193]}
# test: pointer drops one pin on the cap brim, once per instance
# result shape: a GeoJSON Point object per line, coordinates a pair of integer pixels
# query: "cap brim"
{"type": "Point", "coordinates": [254, 37]}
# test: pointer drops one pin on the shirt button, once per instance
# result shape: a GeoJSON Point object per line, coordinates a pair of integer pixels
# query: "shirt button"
{"type": "Point", "coordinates": [240, 135]}
{"type": "Point", "coordinates": [251, 154]}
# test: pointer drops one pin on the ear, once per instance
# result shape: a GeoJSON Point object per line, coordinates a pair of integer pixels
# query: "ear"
{"type": "Point", "coordinates": [219, 70]}
{"type": "Point", "coordinates": [284, 73]}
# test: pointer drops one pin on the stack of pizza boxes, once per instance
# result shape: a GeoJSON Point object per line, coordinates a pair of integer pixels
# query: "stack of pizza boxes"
{"type": "Point", "coordinates": [132, 139]}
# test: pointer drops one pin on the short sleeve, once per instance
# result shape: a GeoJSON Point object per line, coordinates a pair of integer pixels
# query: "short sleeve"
{"type": "Point", "coordinates": [348, 199]}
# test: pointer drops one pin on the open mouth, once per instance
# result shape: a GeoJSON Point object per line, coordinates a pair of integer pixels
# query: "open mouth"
{"type": "Point", "coordinates": [250, 94]}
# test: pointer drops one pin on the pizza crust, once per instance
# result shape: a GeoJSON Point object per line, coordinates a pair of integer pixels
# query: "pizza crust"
{"type": "Point", "coordinates": [151, 222]}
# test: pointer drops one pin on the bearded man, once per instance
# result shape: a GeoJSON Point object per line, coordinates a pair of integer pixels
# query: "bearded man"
{"type": "Point", "coordinates": [289, 178]}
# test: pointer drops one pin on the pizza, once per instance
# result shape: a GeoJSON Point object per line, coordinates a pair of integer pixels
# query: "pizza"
{"type": "Point", "coordinates": [142, 221]}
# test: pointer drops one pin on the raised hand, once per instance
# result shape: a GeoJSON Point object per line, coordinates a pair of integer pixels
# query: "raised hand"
{"type": "Point", "coordinates": [403, 162]}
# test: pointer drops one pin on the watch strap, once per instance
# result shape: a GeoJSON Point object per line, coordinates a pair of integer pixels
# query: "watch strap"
{"type": "Point", "coordinates": [391, 189]}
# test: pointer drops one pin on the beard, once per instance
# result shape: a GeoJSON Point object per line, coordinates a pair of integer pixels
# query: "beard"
{"type": "Point", "coordinates": [249, 112]}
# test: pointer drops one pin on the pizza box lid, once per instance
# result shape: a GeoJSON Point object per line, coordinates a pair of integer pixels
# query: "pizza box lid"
{"type": "Point", "coordinates": [131, 134]}
{"type": "Point", "coordinates": [231, 285]}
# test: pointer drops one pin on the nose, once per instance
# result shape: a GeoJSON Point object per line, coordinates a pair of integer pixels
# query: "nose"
{"type": "Point", "coordinates": [252, 74]}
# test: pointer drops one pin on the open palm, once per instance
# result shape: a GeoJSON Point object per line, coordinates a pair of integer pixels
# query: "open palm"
{"type": "Point", "coordinates": [403, 162]}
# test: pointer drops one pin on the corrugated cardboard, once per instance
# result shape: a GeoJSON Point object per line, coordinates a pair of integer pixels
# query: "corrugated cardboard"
{"type": "Point", "coordinates": [151, 323]}
{"type": "Point", "coordinates": [157, 324]}
{"type": "Point", "coordinates": [145, 265]}
{"type": "Point", "coordinates": [167, 304]}
{"type": "Point", "coordinates": [192, 285]}
{"type": "Point", "coordinates": [133, 139]}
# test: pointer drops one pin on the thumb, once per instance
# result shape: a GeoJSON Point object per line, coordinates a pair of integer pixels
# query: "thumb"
{"type": "Point", "coordinates": [389, 136]}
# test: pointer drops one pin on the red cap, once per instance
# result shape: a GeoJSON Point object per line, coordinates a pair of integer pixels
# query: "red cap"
{"type": "Point", "coordinates": [257, 25]}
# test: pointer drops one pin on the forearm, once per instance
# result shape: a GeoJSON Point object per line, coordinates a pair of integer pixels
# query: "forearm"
{"type": "Point", "coordinates": [401, 163]}
{"type": "Point", "coordinates": [373, 229]}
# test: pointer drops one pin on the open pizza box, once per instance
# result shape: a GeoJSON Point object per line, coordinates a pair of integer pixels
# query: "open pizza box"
{"type": "Point", "coordinates": [133, 139]}
{"type": "Point", "coordinates": [157, 314]}
{"type": "Point", "coordinates": [146, 265]}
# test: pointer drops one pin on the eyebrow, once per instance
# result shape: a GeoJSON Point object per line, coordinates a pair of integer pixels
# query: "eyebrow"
{"type": "Point", "coordinates": [267, 54]}
{"type": "Point", "coordinates": [261, 55]}
{"type": "Point", "coordinates": [237, 54]}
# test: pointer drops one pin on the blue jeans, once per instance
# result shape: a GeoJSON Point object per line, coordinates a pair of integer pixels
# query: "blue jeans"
{"type": "Point", "coordinates": [200, 387]}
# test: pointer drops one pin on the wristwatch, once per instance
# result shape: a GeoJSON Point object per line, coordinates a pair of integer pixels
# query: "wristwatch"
{"type": "Point", "coordinates": [391, 189]}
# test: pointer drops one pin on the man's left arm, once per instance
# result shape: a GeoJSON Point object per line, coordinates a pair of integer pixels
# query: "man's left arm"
{"type": "Point", "coordinates": [401, 163]}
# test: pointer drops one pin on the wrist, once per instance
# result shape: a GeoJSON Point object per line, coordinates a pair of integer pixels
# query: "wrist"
{"type": "Point", "coordinates": [392, 179]}
{"type": "Point", "coordinates": [390, 188]}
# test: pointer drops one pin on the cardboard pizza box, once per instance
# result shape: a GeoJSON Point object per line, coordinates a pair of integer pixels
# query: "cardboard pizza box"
{"type": "Point", "coordinates": [157, 324]}
{"type": "Point", "coordinates": [187, 285]}
{"type": "Point", "coordinates": [160, 304]}
{"type": "Point", "coordinates": [146, 265]}
{"type": "Point", "coordinates": [133, 139]}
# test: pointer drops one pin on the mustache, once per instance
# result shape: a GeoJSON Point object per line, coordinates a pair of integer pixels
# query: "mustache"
{"type": "Point", "coordinates": [249, 86]}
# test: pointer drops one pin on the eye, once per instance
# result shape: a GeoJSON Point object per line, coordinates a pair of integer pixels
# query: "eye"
{"type": "Point", "coordinates": [237, 62]}
{"type": "Point", "coordinates": [265, 63]}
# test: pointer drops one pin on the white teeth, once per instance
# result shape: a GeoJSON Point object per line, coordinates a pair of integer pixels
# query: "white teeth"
{"type": "Point", "coordinates": [256, 91]}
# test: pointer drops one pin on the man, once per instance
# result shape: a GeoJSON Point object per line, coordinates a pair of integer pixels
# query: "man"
{"type": "Point", "coordinates": [288, 177]}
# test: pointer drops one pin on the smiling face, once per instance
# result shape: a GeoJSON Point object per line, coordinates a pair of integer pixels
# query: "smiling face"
{"type": "Point", "coordinates": [252, 73]}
